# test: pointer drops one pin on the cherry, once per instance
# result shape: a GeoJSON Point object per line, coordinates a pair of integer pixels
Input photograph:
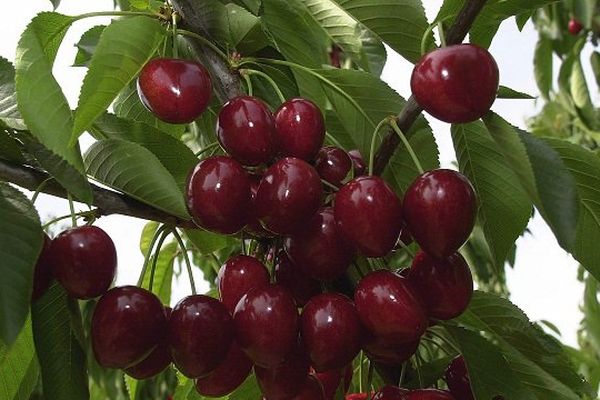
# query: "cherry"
{"type": "Point", "coordinates": [357, 396]}
{"type": "Point", "coordinates": [254, 226]}
{"type": "Point", "coordinates": [457, 378]}
{"type": "Point", "coordinates": [299, 129]}
{"type": "Point", "coordinates": [331, 331]}
{"type": "Point", "coordinates": [288, 195]}
{"type": "Point", "coordinates": [245, 130]}
{"type": "Point", "coordinates": [176, 91]}
{"type": "Point", "coordinates": [200, 334]}
{"type": "Point", "coordinates": [575, 26]}
{"type": "Point", "coordinates": [384, 352]}
{"type": "Point", "coordinates": [312, 390]}
{"type": "Point", "coordinates": [335, 56]}
{"type": "Point", "coordinates": [318, 249]}
{"type": "Point", "coordinates": [333, 165]}
{"type": "Point", "coordinates": [42, 275]}
{"type": "Point", "coordinates": [440, 208]}
{"type": "Point", "coordinates": [389, 307]}
{"type": "Point", "coordinates": [429, 394]}
{"type": "Point", "coordinates": [390, 392]}
{"type": "Point", "coordinates": [156, 362]}
{"type": "Point", "coordinates": [237, 276]}
{"type": "Point", "coordinates": [84, 261]}
{"type": "Point", "coordinates": [218, 194]}
{"type": "Point", "coordinates": [266, 321]}
{"type": "Point", "coordinates": [456, 84]}
{"type": "Point", "coordinates": [332, 379]}
{"type": "Point", "coordinates": [300, 285]}
{"type": "Point", "coordinates": [360, 167]}
{"type": "Point", "coordinates": [286, 380]}
{"type": "Point", "coordinates": [369, 215]}
{"type": "Point", "coordinates": [228, 376]}
{"type": "Point", "coordinates": [127, 324]}
{"type": "Point", "coordinates": [445, 286]}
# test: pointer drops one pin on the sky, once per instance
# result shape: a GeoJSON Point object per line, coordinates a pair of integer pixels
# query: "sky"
{"type": "Point", "coordinates": [543, 282]}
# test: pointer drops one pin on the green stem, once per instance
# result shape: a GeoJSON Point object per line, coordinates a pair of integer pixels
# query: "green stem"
{"type": "Point", "coordinates": [360, 375]}
{"type": "Point", "coordinates": [442, 34]}
{"type": "Point", "coordinates": [186, 258]}
{"type": "Point", "coordinates": [392, 122]}
{"type": "Point", "coordinates": [149, 252]}
{"type": "Point", "coordinates": [117, 14]}
{"type": "Point", "coordinates": [268, 79]}
{"type": "Point", "coordinates": [243, 241]}
{"type": "Point", "coordinates": [72, 209]}
{"type": "Point", "coordinates": [248, 84]}
{"type": "Point", "coordinates": [430, 28]}
{"type": "Point", "coordinates": [329, 185]}
{"type": "Point", "coordinates": [39, 189]}
{"type": "Point", "coordinates": [373, 140]}
{"type": "Point", "coordinates": [79, 214]}
{"type": "Point", "coordinates": [174, 24]}
{"type": "Point", "coordinates": [207, 148]}
{"type": "Point", "coordinates": [155, 259]}
{"type": "Point", "coordinates": [204, 41]}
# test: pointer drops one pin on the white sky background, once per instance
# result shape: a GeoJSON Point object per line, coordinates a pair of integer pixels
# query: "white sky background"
{"type": "Point", "coordinates": [543, 282]}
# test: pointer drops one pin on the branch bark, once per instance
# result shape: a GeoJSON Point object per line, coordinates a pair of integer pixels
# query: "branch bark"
{"type": "Point", "coordinates": [409, 114]}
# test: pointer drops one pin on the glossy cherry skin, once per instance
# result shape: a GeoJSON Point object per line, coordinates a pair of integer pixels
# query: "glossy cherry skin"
{"type": "Point", "coordinates": [318, 249]}
{"type": "Point", "coordinates": [368, 215]}
{"type": "Point", "coordinates": [245, 130]}
{"type": "Point", "coordinates": [42, 274]}
{"type": "Point", "coordinates": [445, 286]}
{"type": "Point", "coordinates": [299, 129]}
{"type": "Point", "coordinates": [439, 209]}
{"type": "Point", "coordinates": [332, 379]}
{"type": "Point", "coordinates": [291, 277]}
{"type": "Point", "coordinates": [254, 227]}
{"type": "Point", "coordinates": [266, 322]}
{"type": "Point", "coordinates": [228, 376]}
{"type": "Point", "coordinates": [288, 195]}
{"type": "Point", "coordinates": [389, 307]}
{"type": "Point", "coordinates": [575, 26]}
{"type": "Point", "coordinates": [333, 164]}
{"type": "Point", "coordinates": [218, 194]}
{"type": "Point", "coordinates": [286, 380]}
{"type": "Point", "coordinates": [456, 84]}
{"type": "Point", "coordinates": [457, 378]}
{"type": "Point", "coordinates": [429, 394]}
{"type": "Point", "coordinates": [84, 261]}
{"type": "Point", "coordinates": [360, 167]}
{"type": "Point", "coordinates": [331, 331]}
{"type": "Point", "coordinates": [312, 390]}
{"type": "Point", "coordinates": [157, 361]}
{"type": "Point", "coordinates": [237, 276]}
{"type": "Point", "coordinates": [200, 334]}
{"type": "Point", "coordinates": [127, 324]}
{"type": "Point", "coordinates": [390, 393]}
{"type": "Point", "coordinates": [176, 91]}
{"type": "Point", "coordinates": [388, 353]}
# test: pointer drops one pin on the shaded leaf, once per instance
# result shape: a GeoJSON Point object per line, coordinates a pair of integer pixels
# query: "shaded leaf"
{"type": "Point", "coordinates": [508, 93]}
{"type": "Point", "coordinates": [542, 66]}
{"type": "Point", "coordinates": [208, 242]}
{"type": "Point", "coordinates": [163, 274]}
{"type": "Point", "coordinates": [87, 45]}
{"type": "Point", "coordinates": [19, 370]}
{"type": "Point", "coordinates": [9, 113]}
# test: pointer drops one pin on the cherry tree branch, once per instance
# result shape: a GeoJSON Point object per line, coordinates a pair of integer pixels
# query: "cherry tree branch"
{"type": "Point", "coordinates": [411, 111]}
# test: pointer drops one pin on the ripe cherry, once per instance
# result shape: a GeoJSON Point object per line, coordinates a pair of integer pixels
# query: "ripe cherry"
{"type": "Point", "coordinates": [266, 322]}
{"type": "Point", "coordinates": [312, 390]}
{"type": "Point", "coordinates": [254, 226]}
{"type": "Point", "coordinates": [388, 353]}
{"type": "Point", "coordinates": [331, 331]}
{"type": "Point", "coordinates": [200, 334]}
{"type": "Point", "coordinates": [42, 274]}
{"type": "Point", "coordinates": [332, 380]}
{"type": "Point", "coordinates": [245, 130]}
{"type": "Point", "coordinates": [318, 249]}
{"type": "Point", "coordinates": [218, 194]}
{"type": "Point", "coordinates": [288, 195]}
{"type": "Point", "coordinates": [390, 393]}
{"type": "Point", "coordinates": [429, 394]}
{"type": "Point", "coordinates": [127, 324]}
{"type": "Point", "coordinates": [389, 307]}
{"type": "Point", "coordinates": [84, 261]}
{"type": "Point", "coordinates": [286, 380]}
{"type": "Point", "coordinates": [445, 286]}
{"type": "Point", "coordinates": [369, 215]}
{"type": "Point", "coordinates": [299, 129]}
{"type": "Point", "coordinates": [237, 276]}
{"type": "Point", "coordinates": [228, 376]}
{"type": "Point", "coordinates": [457, 378]}
{"type": "Point", "coordinates": [291, 277]}
{"type": "Point", "coordinates": [575, 26]}
{"type": "Point", "coordinates": [440, 208]}
{"type": "Point", "coordinates": [456, 84]}
{"type": "Point", "coordinates": [360, 167]}
{"type": "Point", "coordinates": [333, 164]}
{"type": "Point", "coordinates": [157, 361]}
{"type": "Point", "coordinates": [176, 91]}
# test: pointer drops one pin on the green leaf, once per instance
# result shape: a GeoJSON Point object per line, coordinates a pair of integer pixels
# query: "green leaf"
{"type": "Point", "coordinates": [508, 93]}
{"type": "Point", "coordinates": [146, 237]}
{"type": "Point", "coordinates": [591, 312]}
{"type": "Point", "coordinates": [581, 95]}
{"type": "Point", "coordinates": [9, 148]}
{"type": "Point", "coordinates": [542, 66]}
{"type": "Point", "coordinates": [595, 62]}
{"type": "Point", "coordinates": [21, 239]}
{"type": "Point", "coordinates": [399, 23]}
{"type": "Point", "coordinates": [9, 113]}
{"type": "Point", "coordinates": [134, 170]}
{"type": "Point", "coordinates": [373, 50]}
{"type": "Point", "coordinates": [87, 45]}
{"type": "Point", "coordinates": [504, 207]}
{"type": "Point", "coordinates": [208, 242]}
{"type": "Point", "coordinates": [58, 335]}
{"type": "Point", "coordinates": [125, 46]}
{"type": "Point", "coordinates": [163, 274]}
{"type": "Point", "coordinates": [19, 370]}
{"type": "Point", "coordinates": [245, 30]}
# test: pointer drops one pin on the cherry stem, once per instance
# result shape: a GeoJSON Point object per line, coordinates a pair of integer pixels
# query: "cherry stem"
{"type": "Point", "coordinates": [430, 29]}
{"type": "Point", "coordinates": [207, 148]}
{"type": "Point", "coordinates": [150, 14]}
{"type": "Point", "coordinates": [445, 340]}
{"type": "Point", "coordinates": [149, 252]}
{"type": "Point", "coordinates": [174, 24]}
{"type": "Point", "coordinates": [39, 189]}
{"type": "Point", "coordinates": [268, 79]}
{"type": "Point", "coordinates": [205, 42]}
{"type": "Point", "coordinates": [440, 26]}
{"type": "Point", "coordinates": [402, 373]}
{"type": "Point", "coordinates": [188, 264]}
{"type": "Point", "coordinates": [392, 122]}
{"type": "Point", "coordinates": [248, 84]}
{"type": "Point", "coordinates": [373, 140]}
{"type": "Point", "coordinates": [79, 214]}
{"type": "Point", "coordinates": [155, 258]}
{"type": "Point", "coordinates": [72, 210]}
{"type": "Point", "coordinates": [329, 185]}
{"type": "Point", "coordinates": [243, 242]}
{"type": "Point", "coordinates": [360, 375]}
{"type": "Point", "coordinates": [370, 379]}
{"type": "Point", "coordinates": [164, 46]}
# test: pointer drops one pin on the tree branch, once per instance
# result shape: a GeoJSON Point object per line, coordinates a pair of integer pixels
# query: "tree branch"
{"type": "Point", "coordinates": [409, 114]}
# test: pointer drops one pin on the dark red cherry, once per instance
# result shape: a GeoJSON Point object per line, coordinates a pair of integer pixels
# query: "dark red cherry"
{"type": "Point", "coordinates": [429, 394]}
{"type": "Point", "coordinates": [200, 334]}
{"type": "Point", "coordinates": [266, 322]}
{"type": "Point", "coordinates": [369, 215]}
{"type": "Point", "coordinates": [42, 275]}
{"type": "Point", "coordinates": [237, 276]}
{"type": "Point", "coordinates": [286, 380]}
{"type": "Point", "coordinates": [245, 130]}
{"type": "Point", "coordinates": [288, 195]}
{"type": "Point", "coordinates": [254, 226]}
{"type": "Point", "coordinates": [176, 91]}
{"type": "Point", "coordinates": [157, 361]}
{"type": "Point", "coordinates": [445, 286]}
{"type": "Point", "coordinates": [84, 261]}
{"type": "Point", "coordinates": [439, 209]}
{"type": "Point", "coordinates": [335, 56]}
{"type": "Point", "coordinates": [228, 376]}
{"type": "Point", "coordinates": [384, 352]}
{"type": "Point", "coordinates": [300, 285]}
{"type": "Point", "coordinates": [218, 194]}
{"type": "Point", "coordinates": [299, 129]}
{"type": "Point", "coordinates": [575, 26]}
{"type": "Point", "coordinates": [333, 164]}
{"type": "Point", "coordinates": [457, 378]}
{"type": "Point", "coordinates": [312, 390]}
{"type": "Point", "coordinates": [390, 392]}
{"type": "Point", "coordinates": [332, 380]}
{"type": "Point", "coordinates": [357, 396]}
{"type": "Point", "coordinates": [360, 167]}
{"type": "Point", "coordinates": [331, 331]}
{"type": "Point", "coordinates": [456, 84]}
{"type": "Point", "coordinates": [127, 324]}
{"type": "Point", "coordinates": [318, 249]}
{"type": "Point", "coordinates": [389, 307]}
